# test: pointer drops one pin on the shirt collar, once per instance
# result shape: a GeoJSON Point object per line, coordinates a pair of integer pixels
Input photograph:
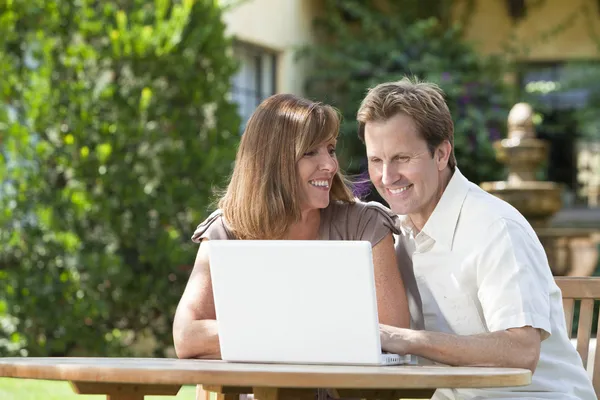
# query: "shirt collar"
{"type": "Point", "coordinates": [405, 224]}
{"type": "Point", "coordinates": [441, 225]}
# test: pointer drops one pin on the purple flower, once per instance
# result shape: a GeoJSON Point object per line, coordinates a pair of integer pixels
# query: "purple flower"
{"type": "Point", "coordinates": [361, 185]}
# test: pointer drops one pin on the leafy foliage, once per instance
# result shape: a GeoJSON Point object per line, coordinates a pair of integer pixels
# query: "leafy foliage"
{"type": "Point", "coordinates": [364, 44]}
{"type": "Point", "coordinates": [114, 123]}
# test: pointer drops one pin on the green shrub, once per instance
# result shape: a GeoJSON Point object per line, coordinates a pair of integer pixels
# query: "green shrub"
{"type": "Point", "coordinates": [115, 124]}
{"type": "Point", "coordinates": [361, 46]}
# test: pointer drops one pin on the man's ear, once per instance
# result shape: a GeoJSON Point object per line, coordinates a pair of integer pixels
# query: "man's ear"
{"type": "Point", "coordinates": [442, 154]}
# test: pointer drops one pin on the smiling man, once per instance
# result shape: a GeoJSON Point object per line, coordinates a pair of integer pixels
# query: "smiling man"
{"type": "Point", "coordinates": [482, 288]}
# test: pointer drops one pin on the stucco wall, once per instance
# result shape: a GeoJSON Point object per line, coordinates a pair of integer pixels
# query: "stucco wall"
{"type": "Point", "coordinates": [279, 25]}
{"type": "Point", "coordinates": [491, 29]}
{"type": "Point", "coordinates": [283, 25]}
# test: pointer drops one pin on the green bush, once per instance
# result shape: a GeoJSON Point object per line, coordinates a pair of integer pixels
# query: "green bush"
{"type": "Point", "coordinates": [115, 125]}
{"type": "Point", "coordinates": [362, 45]}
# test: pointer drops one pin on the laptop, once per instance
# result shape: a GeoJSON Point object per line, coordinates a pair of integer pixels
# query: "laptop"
{"type": "Point", "coordinates": [297, 302]}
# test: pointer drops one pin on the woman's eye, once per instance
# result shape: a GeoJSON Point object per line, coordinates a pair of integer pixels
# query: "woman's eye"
{"type": "Point", "coordinates": [332, 151]}
{"type": "Point", "coordinates": [309, 153]}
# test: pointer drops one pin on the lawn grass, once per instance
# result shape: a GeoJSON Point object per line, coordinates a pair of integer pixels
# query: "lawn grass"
{"type": "Point", "coordinates": [30, 389]}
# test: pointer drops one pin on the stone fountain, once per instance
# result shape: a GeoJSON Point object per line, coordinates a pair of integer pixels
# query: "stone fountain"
{"type": "Point", "coordinates": [571, 251]}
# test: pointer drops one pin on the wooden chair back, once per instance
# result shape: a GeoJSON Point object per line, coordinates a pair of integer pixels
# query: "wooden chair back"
{"type": "Point", "coordinates": [586, 289]}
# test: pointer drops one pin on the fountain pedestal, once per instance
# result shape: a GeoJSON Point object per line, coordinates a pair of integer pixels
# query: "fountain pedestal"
{"type": "Point", "coordinates": [570, 251]}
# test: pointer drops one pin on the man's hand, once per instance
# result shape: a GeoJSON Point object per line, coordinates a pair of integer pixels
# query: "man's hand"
{"type": "Point", "coordinates": [394, 340]}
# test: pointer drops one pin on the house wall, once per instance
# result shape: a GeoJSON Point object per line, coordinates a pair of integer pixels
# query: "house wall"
{"type": "Point", "coordinates": [492, 29]}
{"type": "Point", "coordinates": [283, 26]}
{"type": "Point", "coordinates": [278, 25]}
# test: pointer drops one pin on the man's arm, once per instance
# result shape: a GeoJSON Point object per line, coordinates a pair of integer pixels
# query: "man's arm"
{"type": "Point", "coordinates": [516, 348]}
{"type": "Point", "coordinates": [195, 331]}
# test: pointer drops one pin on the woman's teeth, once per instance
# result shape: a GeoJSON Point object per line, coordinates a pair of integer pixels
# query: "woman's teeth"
{"type": "Point", "coordinates": [320, 183]}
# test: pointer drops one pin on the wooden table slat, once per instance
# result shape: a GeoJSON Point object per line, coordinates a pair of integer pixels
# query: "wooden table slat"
{"type": "Point", "coordinates": [387, 394]}
{"type": "Point", "coordinates": [283, 393]}
{"type": "Point", "coordinates": [220, 373]}
{"type": "Point", "coordinates": [124, 388]}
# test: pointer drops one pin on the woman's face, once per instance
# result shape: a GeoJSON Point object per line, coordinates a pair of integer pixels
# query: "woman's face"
{"type": "Point", "coordinates": [316, 169]}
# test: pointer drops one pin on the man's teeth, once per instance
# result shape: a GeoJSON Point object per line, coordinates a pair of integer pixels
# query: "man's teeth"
{"type": "Point", "coordinates": [319, 183]}
{"type": "Point", "coordinates": [398, 191]}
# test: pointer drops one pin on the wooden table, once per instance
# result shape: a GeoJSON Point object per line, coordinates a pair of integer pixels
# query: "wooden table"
{"type": "Point", "coordinates": [133, 378]}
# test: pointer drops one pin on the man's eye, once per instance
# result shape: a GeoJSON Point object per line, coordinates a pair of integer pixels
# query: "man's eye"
{"type": "Point", "coordinates": [403, 159]}
{"type": "Point", "coordinates": [375, 160]}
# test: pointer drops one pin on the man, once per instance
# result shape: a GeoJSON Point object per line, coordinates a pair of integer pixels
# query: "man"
{"type": "Point", "coordinates": [487, 296]}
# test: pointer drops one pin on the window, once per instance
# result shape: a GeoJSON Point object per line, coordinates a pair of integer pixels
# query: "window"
{"type": "Point", "coordinates": [255, 79]}
{"type": "Point", "coordinates": [558, 86]}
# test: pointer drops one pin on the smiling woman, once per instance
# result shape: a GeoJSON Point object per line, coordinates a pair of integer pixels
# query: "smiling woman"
{"type": "Point", "coordinates": [286, 161]}
{"type": "Point", "coordinates": [286, 184]}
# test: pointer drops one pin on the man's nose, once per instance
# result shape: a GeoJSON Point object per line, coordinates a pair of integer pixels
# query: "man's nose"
{"type": "Point", "coordinates": [389, 175]}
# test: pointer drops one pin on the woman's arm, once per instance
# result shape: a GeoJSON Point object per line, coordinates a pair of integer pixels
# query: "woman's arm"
{"type": "Point", "coordinates": [392, 303]}
{"type": "Point", "coordinates": [195, 331]}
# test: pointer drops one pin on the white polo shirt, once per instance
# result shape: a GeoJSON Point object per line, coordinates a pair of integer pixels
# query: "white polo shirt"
{"type": "Point", "coordinates": [479, 267]}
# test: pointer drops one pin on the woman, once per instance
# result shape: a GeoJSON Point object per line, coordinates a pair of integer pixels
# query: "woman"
{"type": "Point", "coordinates": [286, 184]}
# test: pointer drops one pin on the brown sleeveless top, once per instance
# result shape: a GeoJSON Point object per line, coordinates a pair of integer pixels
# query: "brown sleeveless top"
{"type": "Point", "coordinates": [339, 221]}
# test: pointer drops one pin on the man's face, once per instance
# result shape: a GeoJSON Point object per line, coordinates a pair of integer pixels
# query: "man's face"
{"type": "Point", "coordinates": [402, 168]}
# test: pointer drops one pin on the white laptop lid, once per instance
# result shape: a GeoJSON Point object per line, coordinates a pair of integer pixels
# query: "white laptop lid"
{"type": "Point", "coordinates": [295, 301]}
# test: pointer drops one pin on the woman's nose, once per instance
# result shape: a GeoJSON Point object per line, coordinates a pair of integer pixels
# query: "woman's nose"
{"type": "Point", "coordinates": [327, 162]}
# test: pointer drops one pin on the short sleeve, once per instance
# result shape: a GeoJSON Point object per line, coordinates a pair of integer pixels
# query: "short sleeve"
{"type": "Point", "coordinates": [514, 279]}
{"type": "Point", "coordinates": [213, 228]}
{"type": "Point", "coordinates": [373, 221]}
